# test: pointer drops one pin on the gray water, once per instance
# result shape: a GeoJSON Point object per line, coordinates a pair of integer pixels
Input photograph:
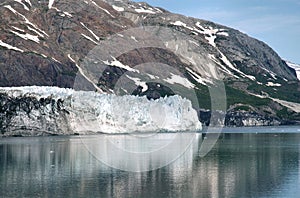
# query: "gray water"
{"type": "Point", "coordinates": [239, 165]}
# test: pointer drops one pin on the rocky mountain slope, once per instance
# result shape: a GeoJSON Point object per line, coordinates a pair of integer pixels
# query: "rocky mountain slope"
{"type": "Point", "coordinates": [123, 47]}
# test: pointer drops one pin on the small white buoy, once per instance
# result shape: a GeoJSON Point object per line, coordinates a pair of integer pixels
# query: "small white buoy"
{"type": "Point", "coordinates": [51, 151]}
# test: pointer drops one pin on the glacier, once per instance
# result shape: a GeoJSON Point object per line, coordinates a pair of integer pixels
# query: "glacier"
{"type": "Point", "coordinates": [39, 110]}
{"type": "Point", "coordinates": [296, 67]}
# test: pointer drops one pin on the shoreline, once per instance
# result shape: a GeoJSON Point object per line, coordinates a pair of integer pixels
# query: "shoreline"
{"type": "Point", "coordinates": [283, 129]}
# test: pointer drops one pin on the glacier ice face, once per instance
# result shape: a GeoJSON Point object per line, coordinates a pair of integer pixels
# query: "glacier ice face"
{"type": "Point", "coordinates": [296, 67]}
{"type": "Point", "coordinates": [66, 111]}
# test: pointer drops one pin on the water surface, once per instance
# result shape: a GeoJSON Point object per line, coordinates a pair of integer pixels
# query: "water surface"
{"type": "Point", "coordinates": [239, 165]}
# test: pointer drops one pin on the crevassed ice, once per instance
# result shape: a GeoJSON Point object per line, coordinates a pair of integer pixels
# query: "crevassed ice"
{"type": "Point", "coordinates": [294, 66]}
{"type": "Point", "coordinates": [95, 112]}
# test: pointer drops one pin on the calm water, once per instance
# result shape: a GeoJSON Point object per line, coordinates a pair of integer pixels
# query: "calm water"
{"type": "Point", "coordinates": [239, 165]}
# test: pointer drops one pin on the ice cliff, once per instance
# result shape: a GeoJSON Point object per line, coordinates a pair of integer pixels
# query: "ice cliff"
{"type": "Point", "coordinates": [51, 110]}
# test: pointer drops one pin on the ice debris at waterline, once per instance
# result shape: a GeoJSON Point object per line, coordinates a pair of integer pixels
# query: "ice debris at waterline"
{"type": "Point", "coordinates": [52, 110]}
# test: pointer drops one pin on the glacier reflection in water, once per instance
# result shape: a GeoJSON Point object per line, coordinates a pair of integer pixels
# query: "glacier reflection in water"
{"type": "Point", "coordinates": [240, 165]}
{"type": "Point", "coordinates": [139, 152]}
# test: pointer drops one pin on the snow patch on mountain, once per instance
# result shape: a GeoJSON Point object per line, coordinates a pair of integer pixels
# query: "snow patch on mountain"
{"type": "Point", "coordinates": [197, 77]}
{"type": "Point", "coordinates": [142, 10]}
{"type": "Point", "coordinates": [26, 36]}
{"type": "Point", "coordinates": [85, 76]}
{"type": "Point", "coordinates": [176, 79]}
{"type": "Point", "coordinates": [89, 38]}
{"type": "Point", "coordinates": [51, 2]}
{"type": "Point", "coordinates": [24, 6]}
{"type": "Point", "coordinates": [94, 35]}
{"type": "Point", "coordinates": [291, 105]}
{"type": "Point", "coordinates": [10, 47]}
{"type": "Point", "coordinates": [139, 82]}
{"type": "Point", "coordinates": [62, 13]}
{"type": "Point", "coordinates": [36, 29]}
{"type": "Point", "coordinates": [101, 8]}
{"type": "Point", "coordinates": [271, 84]}
{"type": "Point", "coordinates": [117, 63]}
{"type": "Point", "coordinates": [117, 8]}
{"type": "Point", "coordinates": [211, 34]}
{"type": "Point", "coordinates": [179, 23]}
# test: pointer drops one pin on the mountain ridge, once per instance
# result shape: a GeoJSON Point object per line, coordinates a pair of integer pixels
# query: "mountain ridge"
{"type": "Point", "coordinates": [46, 43]}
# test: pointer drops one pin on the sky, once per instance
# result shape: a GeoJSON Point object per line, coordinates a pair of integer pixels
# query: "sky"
{"type": "Point", "coordinates": [276, 22]}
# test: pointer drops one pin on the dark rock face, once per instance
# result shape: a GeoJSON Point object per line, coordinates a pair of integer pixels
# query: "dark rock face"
{"type": "Point", "coordinates": [241, 119]}
{"type": "Point", "coordinates": [29, 115]}
{"type": "Point", "coordinates": [47, 46]}
{"type": "Point", "coordinates": [34, 70]}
